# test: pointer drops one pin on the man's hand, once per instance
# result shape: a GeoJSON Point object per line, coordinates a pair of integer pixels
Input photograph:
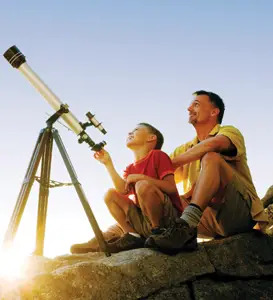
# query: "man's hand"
{"type": "Point", "coordinates": [133, 178]}
{"type": "Point", "coordinates": [103, 157]}
{"type": "Point", "coordinates": [176, 164]}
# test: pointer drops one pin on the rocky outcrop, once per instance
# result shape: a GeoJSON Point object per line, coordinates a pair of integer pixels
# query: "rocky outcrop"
{"type": "Point", "coordinates": [238, 267]}
{"type": "Point", "coordinates": [267, 201]}
{"type": "Point", "coordinates": [268, 197]}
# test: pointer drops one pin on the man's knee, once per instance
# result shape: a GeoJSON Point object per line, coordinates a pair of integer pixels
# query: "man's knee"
{"type": "Point", "coordinates": [110, 196]}
{"type": "Point", "coordinates": [211, 158]}
{"type": "Point", "coordinates": [217, 161]}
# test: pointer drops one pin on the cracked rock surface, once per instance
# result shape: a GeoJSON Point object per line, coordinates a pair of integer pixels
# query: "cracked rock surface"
{"type": "Point", "coordinates": [238, 267]}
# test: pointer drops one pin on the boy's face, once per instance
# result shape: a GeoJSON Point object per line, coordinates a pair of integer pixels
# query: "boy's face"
{"type": "Point", "coordinates": [140, 136]}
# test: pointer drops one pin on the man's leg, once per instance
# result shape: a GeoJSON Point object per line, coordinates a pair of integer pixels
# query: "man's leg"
{"type": "Point", "coordinates": [118, 206]}
{"type": "Point", "coordinates": [215, 173]}
{"type": "Point", "coordinates": [214, 177]}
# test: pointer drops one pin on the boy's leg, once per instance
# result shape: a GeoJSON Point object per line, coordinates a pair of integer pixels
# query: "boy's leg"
{"type": "Point", "coordinates": [151, 200]}
{"type": "Point", "coordinates": [111, 234]}
{"type": "Point", "coordinates": [118, 206]}
{"type": "Point", "coordinates": [156, 210]}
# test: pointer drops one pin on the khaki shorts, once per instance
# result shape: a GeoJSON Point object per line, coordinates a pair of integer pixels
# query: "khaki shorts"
{"type": "Point", "coordinates": [229, 217]}
{"type": "Point", "coordinates": [142, 224]}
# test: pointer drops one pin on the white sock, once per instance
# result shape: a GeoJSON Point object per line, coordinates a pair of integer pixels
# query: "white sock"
{"type": "Point", "coordinates": [135, 234]}
{"type": "Point", "coordinates": [192, 215]}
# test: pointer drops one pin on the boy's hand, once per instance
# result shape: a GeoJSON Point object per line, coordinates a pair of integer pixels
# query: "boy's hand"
{"type": "Point", "coordinates": [103, 157]}
{"type": "Point", "coordinates": [133, 178]}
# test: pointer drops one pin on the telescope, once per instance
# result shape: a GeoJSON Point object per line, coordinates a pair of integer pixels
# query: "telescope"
{"type": "Point", "coordinates": [43, 153]}
{"type": "Point", "coordinates": [18, 60]}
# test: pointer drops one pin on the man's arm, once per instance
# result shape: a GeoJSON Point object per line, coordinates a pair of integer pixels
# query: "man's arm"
{"type": "Point", "coordinates": [166, 185]}
{"type": "Point", "coordinates": [104, 158]}
{"type": "Point", "coordinates": [218, 143]}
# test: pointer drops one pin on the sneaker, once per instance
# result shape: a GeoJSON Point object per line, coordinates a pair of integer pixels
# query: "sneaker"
{"type": "Point", "coordinates": [126, 242]}
{"type": "Point", "coordinates": [90, 246]}
{"type": "Point", "coordinates": [180, 236]}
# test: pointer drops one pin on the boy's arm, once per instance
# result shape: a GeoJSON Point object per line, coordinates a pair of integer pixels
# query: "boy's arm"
{"type": "Point", "coordinates": [104, 158]}
{"type": "Point", "coordinates": [166, 185]}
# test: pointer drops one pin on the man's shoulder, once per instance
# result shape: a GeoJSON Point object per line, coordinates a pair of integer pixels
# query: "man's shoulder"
{"type": "Point", "coordinates": [235, 137]}
{"type": "Point", "coordinates": [229, 128]}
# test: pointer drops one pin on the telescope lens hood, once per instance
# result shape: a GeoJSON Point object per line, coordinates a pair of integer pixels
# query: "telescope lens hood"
{"type": "Point", "coordinates": [15, 57]}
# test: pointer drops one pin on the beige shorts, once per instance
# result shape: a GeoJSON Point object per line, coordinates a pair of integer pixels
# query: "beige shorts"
{"type": "Point", "coordinates": [229, 217]}
{"type": "Point", "coordinates": [142, 224]}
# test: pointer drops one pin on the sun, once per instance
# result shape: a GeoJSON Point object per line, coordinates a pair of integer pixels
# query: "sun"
{"type": "Point", "coordinates": [12, 264]}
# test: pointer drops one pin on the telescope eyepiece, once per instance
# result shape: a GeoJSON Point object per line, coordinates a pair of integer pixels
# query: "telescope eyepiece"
{"type": "Point", "coordinates": [15, 57]}
{"type": "Point", "coordinates": [95, 122]}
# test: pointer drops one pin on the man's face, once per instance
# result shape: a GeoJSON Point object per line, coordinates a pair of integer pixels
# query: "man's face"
{"type": "Point", "coordinates": [201, 110]}
{"type": "Point", "coordinates": [138, 137]}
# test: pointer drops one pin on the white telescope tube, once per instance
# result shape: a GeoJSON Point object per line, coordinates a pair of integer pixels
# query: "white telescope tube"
{"type": "Point", "coordinates": [17, 60]}
{"type": "Point", "coordinates": [50, 97]}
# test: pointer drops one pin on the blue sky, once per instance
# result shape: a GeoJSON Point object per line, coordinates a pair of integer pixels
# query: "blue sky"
{"type": "Point", "coordinates": [127, 62]}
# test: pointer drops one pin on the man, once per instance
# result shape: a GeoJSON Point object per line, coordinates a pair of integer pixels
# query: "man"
{"type": "Point", "coordinates": [220, 198]}
{"type": "Point", "coordinates": [146, 198]}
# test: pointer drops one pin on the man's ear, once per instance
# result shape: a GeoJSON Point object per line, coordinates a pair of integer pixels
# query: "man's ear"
{"type": "Point", "coordinates": [215, 112]}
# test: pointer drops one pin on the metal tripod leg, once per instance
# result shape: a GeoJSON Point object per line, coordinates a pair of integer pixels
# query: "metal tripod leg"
{"type": "Point", "coordinates": [43, 195]}
{"type": "Point", "coordinates": [26, 187]}
{"type": "Point", "coordinates": [79, 190]}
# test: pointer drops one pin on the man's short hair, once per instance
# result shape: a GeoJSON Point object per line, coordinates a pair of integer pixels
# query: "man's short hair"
{"type": "Point", "coordinates": [215, 100]}
{"type": "Point", "coordinates": [157, 133]}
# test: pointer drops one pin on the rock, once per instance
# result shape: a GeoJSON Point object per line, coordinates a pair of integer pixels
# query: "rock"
{"type": "Point", "coordinates": [242, 255]}
{"type": "Point", "coordinates": [269, 211]}
{"type": "Point", "coordinates": [236, 290]}
{"type": "Point", "coordinates": [176, 293]}
{"type": "Point", "coordinates": [127, 275]}
{"type": "Point", "coordinates": [268, 197]}
{"type": "Point", "coordinates": [238, 267]}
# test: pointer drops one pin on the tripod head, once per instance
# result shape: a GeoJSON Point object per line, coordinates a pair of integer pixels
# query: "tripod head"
{"type": "Point", "coordinates": [18, 60]}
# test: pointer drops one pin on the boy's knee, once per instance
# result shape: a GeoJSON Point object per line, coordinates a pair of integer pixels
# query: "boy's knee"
{"type": "Point", "coordinates": [143, 188]}
{"type": "Point", "coordinates": [109, 196]}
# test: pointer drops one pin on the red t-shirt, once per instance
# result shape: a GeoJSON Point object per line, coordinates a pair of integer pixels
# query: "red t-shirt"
{"type": "Point", "coordinates": [156, 164]}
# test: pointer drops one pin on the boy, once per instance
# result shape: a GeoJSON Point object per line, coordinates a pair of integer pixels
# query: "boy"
{"type": "Point", "coordinates": [146, 199]}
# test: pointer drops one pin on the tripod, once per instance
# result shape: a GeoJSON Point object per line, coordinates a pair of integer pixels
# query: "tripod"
{"type": "Point", "coordinates": [43, 151]}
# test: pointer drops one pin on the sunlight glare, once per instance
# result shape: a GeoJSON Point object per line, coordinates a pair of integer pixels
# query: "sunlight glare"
{"type": "Point", "coordinates": [12, 264]}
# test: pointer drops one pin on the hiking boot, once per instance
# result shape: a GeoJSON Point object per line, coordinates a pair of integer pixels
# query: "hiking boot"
{"type": "Point", "coordinates": [90, 246]}
{"type": "Point", "coordinates": [158, 230]}
{"type": "Point", "coordinates": [126, 242]}
{"type": "Point", "coordinates": [180, 236]}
